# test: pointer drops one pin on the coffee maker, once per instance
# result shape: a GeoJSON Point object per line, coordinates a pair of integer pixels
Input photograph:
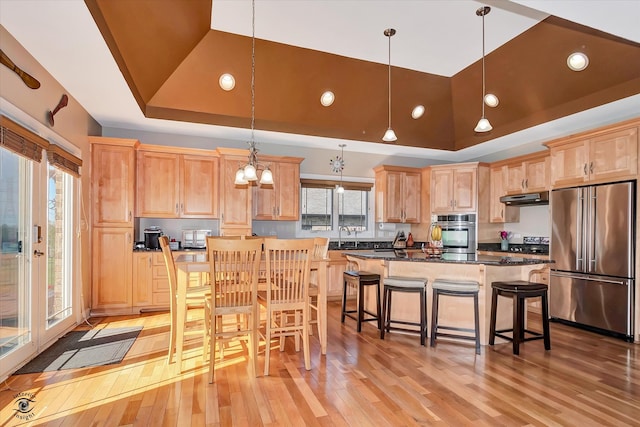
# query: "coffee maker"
{"type": "Point", "coordinates": [151, 237]}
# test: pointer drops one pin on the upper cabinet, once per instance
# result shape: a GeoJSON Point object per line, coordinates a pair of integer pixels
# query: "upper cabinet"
{"type": "Point", "coordinates": [280, 201]}
{"type": "Point", "coordinates": [235, 200]}
{"type": "Point", "coordinates": [177, 183]}
{"type": "Point", "coordinates": [454, 188]}
{"type": "Point", "coordinates": [113, 181]}
{"type": "Point", "coordinates": [606, 155]}
{"type": "Point", "coordinates": [498, 211]}
{"type": "Point", "coordinates": [398, 194]}
{"type": "Point", "coordinates": [527, 174]}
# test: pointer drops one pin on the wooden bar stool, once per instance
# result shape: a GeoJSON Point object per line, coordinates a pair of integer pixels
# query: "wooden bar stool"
{"type": "Point", "coordinates": [455, 288]}
{"type": "Point", "coordinates": [404, 284]}
{"type": "Point", "coordinates": [519, 291]}
{"type": "Point", "coordinates": [358, 280]}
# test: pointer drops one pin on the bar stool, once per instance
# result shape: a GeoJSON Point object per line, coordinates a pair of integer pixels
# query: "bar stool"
{"type": "Point", "coordinates": [404, 284]}
{"type": "Point", "coordinates": [455, 288]}
{"type": "Point", "coordinates": [519, 291]}
{"type": "Point", "coordinates": [360, 279]}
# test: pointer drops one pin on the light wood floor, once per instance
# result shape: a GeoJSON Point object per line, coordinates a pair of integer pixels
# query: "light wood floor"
{"type": "Point", "coordinates": [585, 380]}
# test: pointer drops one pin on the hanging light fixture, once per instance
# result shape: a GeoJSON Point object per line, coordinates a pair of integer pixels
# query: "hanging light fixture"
{"type": "Point", "coordinates": [483, 124]}
{"type": "Point", "coordinates": [249, 172]}
{"type": "Point", "coordinates": [337, 165]}
{"type": "Point", "coordinates": [389, 135]}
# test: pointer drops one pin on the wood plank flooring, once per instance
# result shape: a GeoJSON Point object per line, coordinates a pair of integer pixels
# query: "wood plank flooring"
{"type": "Point", "coordinates": [585, 380]}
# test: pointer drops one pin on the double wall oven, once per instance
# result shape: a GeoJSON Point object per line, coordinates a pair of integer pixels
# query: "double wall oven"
{"type": "Point", "coordinates": [458, 233]}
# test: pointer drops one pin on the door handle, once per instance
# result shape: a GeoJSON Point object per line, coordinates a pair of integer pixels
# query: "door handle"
{"type": "Point", "coordinates": [38, 253]}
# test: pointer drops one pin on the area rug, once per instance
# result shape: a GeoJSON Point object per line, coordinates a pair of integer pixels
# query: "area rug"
{"type": "Point", "coordinates": [82, 349]}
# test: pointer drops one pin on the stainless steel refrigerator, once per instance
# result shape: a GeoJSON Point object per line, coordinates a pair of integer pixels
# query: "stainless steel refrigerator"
{"type": "Point", "coordinates": [592, 242]}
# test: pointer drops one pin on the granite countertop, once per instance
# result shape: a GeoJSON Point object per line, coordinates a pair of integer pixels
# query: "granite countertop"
{"type": "Point", "coordinates": [418, 256]}
{"type": "Point", "coordinates": [172, 250]}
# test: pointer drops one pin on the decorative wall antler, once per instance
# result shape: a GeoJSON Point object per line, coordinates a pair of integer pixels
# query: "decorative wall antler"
{"type": "Point", "coordinates": [63, 103]}
{"type": "Point", "coordinates": [26, 78]}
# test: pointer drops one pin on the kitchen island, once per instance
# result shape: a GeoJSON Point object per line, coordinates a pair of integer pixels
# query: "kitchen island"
{"type": "Point", "coordinates": [483, 269]}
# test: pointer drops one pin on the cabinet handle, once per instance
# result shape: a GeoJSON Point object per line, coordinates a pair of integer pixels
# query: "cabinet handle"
{"type": "Point", "coordinates": [149, 262]}
{"type": "Point", "coordinates": [585, 168]}
{"type": "Point", "coordinates": [176, 208]}
{"type": "Point", "coordinates": [129, 237]}
{"type": "Point", "coordinates": [502, 213]}
{"type": "Point", "coordinates": [526, 183]}
{"type": "Point", "coordinates": [130, 216]}
{"type": "Point", "coordinates": [522, 184]}
{"type": "Point", "coordinates": [182, 207]}
{"type": "Point", "coordinates": [591, 167]}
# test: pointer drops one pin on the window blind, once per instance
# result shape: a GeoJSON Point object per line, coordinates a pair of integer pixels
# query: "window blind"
{"type": "Point", "coordinates": [329, 183]}
{"type": "Point", "coordinates": [21, 140]}
{"type": "Point", "coordinates": [62, 159]}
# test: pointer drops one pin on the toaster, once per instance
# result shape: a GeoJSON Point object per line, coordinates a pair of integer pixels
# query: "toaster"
{"type": "Point", "coordinates": [195, 239]}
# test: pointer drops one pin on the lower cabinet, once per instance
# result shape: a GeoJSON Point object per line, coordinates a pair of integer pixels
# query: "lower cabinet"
{"type": "Point", "coordinates": [142, 292]}
{"type": "Point", "coordinates": [111, 269]}
{"type": "Point", "coordinates": [336, 268]}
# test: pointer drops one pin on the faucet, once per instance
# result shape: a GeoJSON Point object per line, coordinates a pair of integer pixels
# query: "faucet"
{"type": "Point", "coordinates": [340, 228]}
{"type": "Point", "coordinates": [355, 231]}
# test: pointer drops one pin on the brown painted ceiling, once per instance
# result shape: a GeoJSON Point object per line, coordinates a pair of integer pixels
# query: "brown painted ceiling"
{"type": "Point", "coordinates": [167, 53]}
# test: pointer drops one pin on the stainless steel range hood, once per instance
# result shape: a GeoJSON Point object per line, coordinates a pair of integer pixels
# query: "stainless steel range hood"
{"type": "Point", "coordinates": [541, 198]}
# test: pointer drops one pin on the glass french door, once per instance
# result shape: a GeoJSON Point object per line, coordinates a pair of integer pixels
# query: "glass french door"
{"type": "Point", "coordinates": [36, 254]}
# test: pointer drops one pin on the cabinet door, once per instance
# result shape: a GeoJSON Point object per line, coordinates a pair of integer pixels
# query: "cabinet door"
{"type": "Point", "coordinates": [113, 185]}
{"type": "Point", "coordinates": [569, 164]}
{"type": "Point", "coordinates": [441, 190]}
{"type": "Point", "coordinates": [393, 198]}
{"type": "Point", "coordinates": [142, 283]}
{"type": "Point", "coordinates": [235, 201]}
{"type": "Point", "coordinates": [464, 189]}
{"type": "Point", "coordinates": [111, 268]}
{"type": "Point", "coordinates": [198, 187]}
{"type": "Point", "coordinates": [288, 192]}
{"type": "Point", "coordinates": [536, 175]}
{"type": "Point", "coordinates": [264, 201]}
{"type": "Point", "coordinates": [335, 269]}
{"type": "Point", "coordinates": [514, 182]}
{"type": "Point", "coordinates": [498, 211]}
{"type": "Point", "coordinates": [411, 200]}
{"type": "Point", "coordinates": [158, 184]}
{"type": "Point", "coordinates": [614, 155]}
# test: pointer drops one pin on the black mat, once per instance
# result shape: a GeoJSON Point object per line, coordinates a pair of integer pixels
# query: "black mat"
{"type": "Point", "coordinates": [82, 349]}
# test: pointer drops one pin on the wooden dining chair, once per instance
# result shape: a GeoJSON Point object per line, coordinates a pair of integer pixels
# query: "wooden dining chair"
{"type": "Point", "coordinates": [286, 299]}
{"type": "Point", "coordinates": [234, 269]}
{"type": "Point", "coordinates": [320, 250]}
{"type": "Point", "coordinates": [194, 298]}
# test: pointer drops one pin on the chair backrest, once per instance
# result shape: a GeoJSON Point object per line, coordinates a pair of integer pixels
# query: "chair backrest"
{"type": "Point", "coordinates": [171, 270]}
{"type": "Point", "coordinates": [288, 265]}
{"type": "Point", "coordinates": [320, 247]}
{"type": "Point", "coordinates": [234, 271]}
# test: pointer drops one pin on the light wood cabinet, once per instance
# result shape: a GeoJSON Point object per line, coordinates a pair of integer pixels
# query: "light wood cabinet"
{"type": "Point", "coordinates": [175, 183]}
{"type": "Point", "coordinates": [607, 155]}
{"type": "Point", "coordinates": [235, 200]}
{"type": "Point", "coordinates": [454, 188]}
{"type": "Point", "coordinates": [111, 269]}
{"type": "Point", "coordinates": [498, 211]}
{"type": "Point", "coordinates": [142, 279]}
{"type": "Point", "coordinates": [398, 194]}
{"type": "Point", "coordinates": [335, 268]}
{"type": "Point", "coordinates": [280, 201]}
{"type": "Point", "coordinates": [527, 174]}
{"type": "Point", "coordinates": [112, 181]}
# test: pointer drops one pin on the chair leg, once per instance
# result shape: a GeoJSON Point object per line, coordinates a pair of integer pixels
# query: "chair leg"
{"type": "Point", "coordinates": [379, 311]}
{"type": "Point", "coordinates": [172, 338]}
{"type": "Point", "coordinates": [423, 318]}
{"type": "Point", "coordinates": [545, 322]}
{"type": "Point", "coordinates": [344, 301]}
{"type": "Point", "coordinates": [267, 344]}
{"type": "Point", "coordinates": [212, 347]}
{"type": "Point", "coordinates": [384, 312]}
{"type": "Point", "coordinates": [305, 340]}
{"type": "Point", "coordinates": [516, 326]}
{"type": "Point", "coordinates": [360, 308]}
{"type": "Point", "coordinates": [492, 322]}
{"type": "Point", "coordinates": [476, 311]}
{"type": "Point", "coordinates": [434, 316]}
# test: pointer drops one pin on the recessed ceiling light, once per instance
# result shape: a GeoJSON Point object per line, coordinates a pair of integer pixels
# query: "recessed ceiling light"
{"type": "Point", "coordinates": [578, 61]}
{"type": "Point", "coordinates": [327, 98]}
{"type": "Point", "coordinates": [227, 82]}
{"type": "Point", "coordinates": [491, 100]}
{"type": "Point", "coordinates": [417, 112]}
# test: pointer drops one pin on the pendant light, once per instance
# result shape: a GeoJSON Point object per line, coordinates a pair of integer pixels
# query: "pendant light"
{"type": "Point", "coordinates": [389, 135]}
{"type": "Point", "coordinates": [249, 172]}
{"type": "Point", "coordinates": [340, 188]}
{"type": "Point", "coordinates": [483, 124]}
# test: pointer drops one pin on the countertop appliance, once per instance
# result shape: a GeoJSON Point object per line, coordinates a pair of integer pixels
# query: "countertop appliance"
{"type": "Point", "coordinates": [400, 241]}
{"type": "Point", "coordinates": [195, 239]}
{"type": "Point", "coordinates": [151, 236]}
{"type": "Point", "coordinates": [592, 282]}
{"type": "Point", "coordinates": [459, 233]}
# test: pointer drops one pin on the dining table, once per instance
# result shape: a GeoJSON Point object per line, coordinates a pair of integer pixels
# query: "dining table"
{"type": "Point", "coordinates": [190, 263]}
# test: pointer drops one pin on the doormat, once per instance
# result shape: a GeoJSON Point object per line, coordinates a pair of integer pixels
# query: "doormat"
{"type": "Point", "coordinates": [83, 349]}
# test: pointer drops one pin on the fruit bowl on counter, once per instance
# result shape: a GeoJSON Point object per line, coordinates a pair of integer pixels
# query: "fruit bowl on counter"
{"type": "Point", "coordinates": [432, 251]}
